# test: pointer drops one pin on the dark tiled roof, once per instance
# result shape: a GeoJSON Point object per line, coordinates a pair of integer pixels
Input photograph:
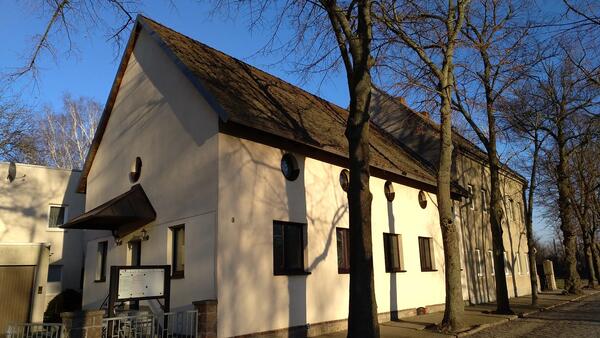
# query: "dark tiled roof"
{"type": "Point", "coordinates": [253, 98]}
{"type": "Point", "coordinates": [246, 96]}
{"type": "Point", "coordinates": [417, 131]}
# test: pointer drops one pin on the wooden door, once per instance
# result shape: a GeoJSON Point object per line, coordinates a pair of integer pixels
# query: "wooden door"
{"type": "Point", "coordinates": [15, 295]}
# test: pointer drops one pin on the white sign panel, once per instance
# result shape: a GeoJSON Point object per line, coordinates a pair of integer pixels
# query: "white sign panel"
{"type": "Point", "coordinates": [140, 283]}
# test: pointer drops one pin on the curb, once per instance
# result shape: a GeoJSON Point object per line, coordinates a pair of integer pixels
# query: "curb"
{"type": "Point", "coordinates": [485, 326]}
{"type": "Point", "coordinates": [521, 315]}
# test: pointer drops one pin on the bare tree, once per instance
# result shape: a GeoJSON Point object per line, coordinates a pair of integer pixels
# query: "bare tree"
{"type": "Point", "coordinates": [67, 135]}
{"type": "Point", "coordinates": [524, 117]}
{"type": "Point", "coordinates": [429, 32]}
{"type": "Point", "coordinates": [352, 27]}
{"type": "Point", "coordinates": [17, 132]}
{"type": "Point", "coordinates": [582, 25]}
{"type": "Point", "coordinates": [64, 17]}
{"type": "Point", "coordinates": [584, 173]}
{"type": "Point", "coordinates": [496, 58]}
{"type": "Point", "coordinates": [567, 96]}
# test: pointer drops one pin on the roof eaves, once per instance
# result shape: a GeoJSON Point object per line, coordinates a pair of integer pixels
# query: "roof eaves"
{"type": "Point", "coordinates": [110, 101]}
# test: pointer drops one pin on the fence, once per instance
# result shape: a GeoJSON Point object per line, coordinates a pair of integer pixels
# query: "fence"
{"type": "Point", "coordinates": [33, 330]}
{"type": "Point", "coordinates": [168, 325]}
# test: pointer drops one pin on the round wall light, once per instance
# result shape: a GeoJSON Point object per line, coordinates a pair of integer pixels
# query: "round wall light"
{"type": "Point", "coordinates": [136, 170]}
{"type": "Point", "coordinates": [289, 167]}
{"type": "Point", "coordinates": [388, 188]}
{"type": "Point", "coordinates": [422, 199]}
{"type": "Point", "coordinates": [345, 179]}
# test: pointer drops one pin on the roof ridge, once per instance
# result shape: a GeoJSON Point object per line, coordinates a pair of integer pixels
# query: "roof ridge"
{"type": "Point", "coordinates": [481, 152]}
{"type": "Point", "coordinates": [418, 160]}
{"type": "Point", "coordinates": [246, 63]}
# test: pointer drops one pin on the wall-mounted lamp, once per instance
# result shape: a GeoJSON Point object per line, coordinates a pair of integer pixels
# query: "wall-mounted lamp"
{"type": "Point", "coordinates": [144, 236]}
{"type": "Point", "coordinates": [118, 240]}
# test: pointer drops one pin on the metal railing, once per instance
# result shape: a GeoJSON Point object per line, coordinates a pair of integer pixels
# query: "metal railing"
{"type": "Point", "coordinates": [129, 326]}
{"type": "Point", "coordinates": [144, 325]}
{"type": "Point", "coordinates": [180, 324]}
{"type": "Point", "coordinates": [34, 330]}
{"type": "Point", "coordinates": [169, 325]}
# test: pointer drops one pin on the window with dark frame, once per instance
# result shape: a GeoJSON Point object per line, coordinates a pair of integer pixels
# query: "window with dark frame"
{"type": "Point", "coordinates": [426, 254]}
{"type": "Point", "coordinates": [101, 261]}
{"type": "Point", "coordinates": [484, 200]}
{"type": "Point", "coordinates": [479, 266]}
{"type": "Point", "coordinates": [54, 273]}
{"type": "Point", "coordinates": [490, 261]}
{"type": "Point", "coordinates": [56, 216]}
{"type": "Point", "coordinates": [392, 250]}
{"type": "Point", "coordinates": [471, 197]}
{"type": "Point", "coordinates": [288, 248]}
{"type": "Point", "coordinates": [520, 211]}
{"type": "Point", "coordinates": [343, 249]}
{"type": "Point", "coordinates": [178, 251]}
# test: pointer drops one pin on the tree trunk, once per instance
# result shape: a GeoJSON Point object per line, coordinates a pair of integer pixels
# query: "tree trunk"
{"type": "Point", "coordinates": [595, 256]}
{"type": "Point", "coordinates": [454, 311]}
{"type": "Point", "coordinates": [496, 215]}
{"type": "Point", "coordinates": [572, 280]}
{"type": "Point", "coordinates": [528, 203]}
{"type": "Point", "coordinates": [362, 317]}
{"type": "Point", "coordinates": [587, 251]}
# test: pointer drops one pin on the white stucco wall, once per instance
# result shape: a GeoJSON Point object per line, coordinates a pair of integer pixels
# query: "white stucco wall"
{"type": "Point", "coordinates": [24, 208]}
{"type": "Point", "coordinates": [160, 117]}
{"type": "Point", "coordinates": [253, 193]}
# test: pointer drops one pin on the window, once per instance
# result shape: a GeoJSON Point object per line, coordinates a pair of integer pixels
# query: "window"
{"type": "Point", "coordinates": [393, 253]}
{"type": "Point", "coordinates": [520, 210]}
{"type": "Point", "coordinates": [519, 267]}
{"type": "Point", "coordinates": [57, 216]}
{"type": "Point", "coordinates": [178, 250]}
{"type": "Point", "coordinates": [471, 197]}
{"type": "Point", "coordinates": [345, 179]}
{"type": "Point", "coordinates": [101, 261]}
{"type": "Point", "coordinates": [479, 266]}
{"type": "Point", "coordinates": [289, 167]}
{"type": "Point", "coordinates": [423, 201]}
{"type": "Point", "coordinates": [426, 253]}
{"type": "Point", "coordinates": [54, 273]}
{"type": "Point", "coordinates": [288, 248]}
{"type": "Point", "coordinates": [491, 262]}
{"type": "Point", "coordinates": [506, 265]}
{"type": "Point", "coordinates": [509, 210]}
{"type": "Point", "coordinates": [511, 205]}
{"type": "Point", "coordinates": [136, 170]}
{"type": "Point", "coordinates": [484, 203]}
{"type": "Point", "coordinates": [343, 249]}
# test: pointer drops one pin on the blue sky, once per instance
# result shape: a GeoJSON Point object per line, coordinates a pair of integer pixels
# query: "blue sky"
{"type": "Point", "coordinates": [90, 69]}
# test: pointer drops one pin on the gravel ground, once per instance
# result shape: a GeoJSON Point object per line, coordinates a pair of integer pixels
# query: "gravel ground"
{"type": "Point", "coordinates": [576, 319]}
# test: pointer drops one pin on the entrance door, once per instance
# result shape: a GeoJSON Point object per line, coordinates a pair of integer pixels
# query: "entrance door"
{"type": "Point", "coordinates": [135, 250]}
{"type": "Point", "coordinates": [16, 284]}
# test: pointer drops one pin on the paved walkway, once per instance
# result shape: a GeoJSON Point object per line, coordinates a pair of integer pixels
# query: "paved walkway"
{"type": "Point", "coordinates": [481, 322]}
{"type": "Point", "coordinates": [575, 319]}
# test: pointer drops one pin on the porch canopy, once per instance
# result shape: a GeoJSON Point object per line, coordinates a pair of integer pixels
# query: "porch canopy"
{"type": "Point", "coordinates": [121, 215]}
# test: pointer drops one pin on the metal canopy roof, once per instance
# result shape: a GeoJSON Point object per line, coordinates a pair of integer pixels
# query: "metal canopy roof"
{"type": "Point", "coordinates": [121, 215]}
